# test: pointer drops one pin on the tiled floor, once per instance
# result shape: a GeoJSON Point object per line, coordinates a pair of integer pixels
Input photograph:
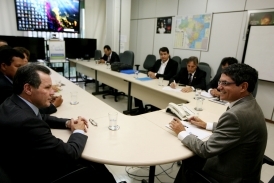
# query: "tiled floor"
{"type": "Point", "coordinates": [136, 174]}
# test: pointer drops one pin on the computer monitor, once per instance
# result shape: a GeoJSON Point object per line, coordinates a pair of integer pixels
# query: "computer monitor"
{"type": "Point", "coordinates": [36, 46]}
{"type": "Point", "coordinates": [80, 48]}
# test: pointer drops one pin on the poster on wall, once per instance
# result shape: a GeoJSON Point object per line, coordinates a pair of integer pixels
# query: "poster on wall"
{"type": "Point", "coordinates": [261, 18]}
{"type": "Point", "coordinates": [164, 25]}
{"type": "Point", "coordinates": [192, 32]}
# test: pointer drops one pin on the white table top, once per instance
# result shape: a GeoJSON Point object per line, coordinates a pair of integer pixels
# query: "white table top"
{"type": "Point", "coordinates": [141, 140]}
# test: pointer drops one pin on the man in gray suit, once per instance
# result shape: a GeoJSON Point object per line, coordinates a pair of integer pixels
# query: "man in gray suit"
{"type": "Point", "coordinates": [235, 150]}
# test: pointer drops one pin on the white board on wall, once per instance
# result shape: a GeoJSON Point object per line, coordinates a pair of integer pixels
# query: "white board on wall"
{"type": "Point", "coordinates": [260, 51]}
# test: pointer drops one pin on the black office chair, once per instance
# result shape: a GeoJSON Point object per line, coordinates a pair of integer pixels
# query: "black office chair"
{"type": "Point", "coordinates": [207, 69]}
{"type": "Point", "coordinates": [97, 55]}
{"type": "Point", "coordinates": [148, 63]}
{"type": "Point", "coordinates": [203, 177]}
{"type": "Point", "coordinates": [184, 62]}
{"type": "Point", "coordinates": [179, 61]}
{"type": "Point", "coordinates": [204, 63]}
{"type": "Point", "coordinates": [128, 58]}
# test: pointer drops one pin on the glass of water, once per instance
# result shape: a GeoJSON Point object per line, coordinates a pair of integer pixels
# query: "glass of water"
{"type": "Point", "coordinates": [198, 92]}
{"type": "Point", "coordinates": [113, 121]}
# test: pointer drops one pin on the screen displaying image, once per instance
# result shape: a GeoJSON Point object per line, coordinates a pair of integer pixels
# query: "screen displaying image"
{"type": "Point", "coordinates": [48, 15]}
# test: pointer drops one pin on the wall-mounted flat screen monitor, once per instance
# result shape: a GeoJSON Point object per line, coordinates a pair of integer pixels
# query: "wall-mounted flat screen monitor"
{"type": "Point", "coordinates": [48, 15]}
{"type": "Point", "coordinates": [36, 46]}
{"type": "Point", "coordinates": [80, 48]}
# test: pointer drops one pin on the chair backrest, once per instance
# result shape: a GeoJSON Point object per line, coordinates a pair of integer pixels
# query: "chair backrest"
{"type": "Point", "coordinates": [149, 61]}
{"type": "Point", "coordinates": [203, 63]}
{"type": "Point", "coordinates": [179, 61]}
{"type": "Point", "coordinates": [254, 93]}
{"type": "Point", "coordinates": [184, 62]}
{"type": "Point", "coordinates": [97, 55]}
{"type": "Point", "coordinates": [127, 57]}
{"type": "Point", "coordinates": [3, 176]}
{"type": "Point", "coordinates": [207, 69]}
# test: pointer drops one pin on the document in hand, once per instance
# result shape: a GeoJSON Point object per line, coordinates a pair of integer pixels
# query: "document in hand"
{"type": "Point", "coordinates": [194, 130]}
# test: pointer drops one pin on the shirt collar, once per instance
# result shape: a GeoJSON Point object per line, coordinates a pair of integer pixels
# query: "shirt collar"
{"type": "Point", "coordinates": [234, 102]}
{"type": "Point", "coordinates": [192, 74]}
{"type": "Point", "coordinates": [9, 79]}
{"type": "Point", "coordinates": [165, 62]}
{"type": "Point", "coordinates": [33, 107]}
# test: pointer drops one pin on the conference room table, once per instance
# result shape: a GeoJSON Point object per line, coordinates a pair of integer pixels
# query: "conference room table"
{"type": "Point", "coordinates": [142, 140]}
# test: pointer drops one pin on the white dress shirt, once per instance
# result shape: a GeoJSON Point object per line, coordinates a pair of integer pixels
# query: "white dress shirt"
{"type": "Point", "coordinates": [162, 67]}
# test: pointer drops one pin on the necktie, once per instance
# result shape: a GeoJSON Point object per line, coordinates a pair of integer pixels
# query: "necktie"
{"type": "Point", "coordinates": [189, 79]}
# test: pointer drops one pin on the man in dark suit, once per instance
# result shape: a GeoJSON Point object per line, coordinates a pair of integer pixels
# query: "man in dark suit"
{"type": "Point", "coordinates": [214, 82]}
{"type": "Point", "coordinates": [164, 67]}
{"type": "Point", "coordinates": [109, 56]}
{"type": "Point", "coordinates": [191, 76]}
{"type": "Point", "coordinates": [31, 153]}
{"type": "Point", "coordinates": [10, 61]}
{"type": "Point", "coordinates": [234, 152]}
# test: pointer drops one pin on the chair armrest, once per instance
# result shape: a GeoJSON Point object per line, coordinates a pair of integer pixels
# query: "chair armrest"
{"type": "Point", "coordinates": [137, 66]}
{"type": "Point", "coordinates": [268, 160]}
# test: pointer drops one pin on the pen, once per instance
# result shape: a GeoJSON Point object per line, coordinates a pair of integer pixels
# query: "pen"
{"type": "Point", "coordinates": [92, 122]}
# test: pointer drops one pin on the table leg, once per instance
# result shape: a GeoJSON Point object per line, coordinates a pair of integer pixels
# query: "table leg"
{"type": "Point", "coordinates": [151, 174]}
{"type": "Point", "coordinates": [129, 102]}
{"type": "Point", "coordinates": [97, 92]}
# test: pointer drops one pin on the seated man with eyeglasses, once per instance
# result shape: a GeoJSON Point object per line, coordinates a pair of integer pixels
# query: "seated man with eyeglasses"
{"type": "Point", "coordinates": [235, 150]}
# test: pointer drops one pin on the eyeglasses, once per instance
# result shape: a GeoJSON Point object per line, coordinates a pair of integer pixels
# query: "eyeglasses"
{"type": "Point", "coordinates": [225, 83]}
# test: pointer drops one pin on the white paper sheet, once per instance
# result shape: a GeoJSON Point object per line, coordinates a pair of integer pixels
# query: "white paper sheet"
{"type": "Point", "coordinates": [171, 89]}
{"type": "Point", "coordinates": [192, 129]}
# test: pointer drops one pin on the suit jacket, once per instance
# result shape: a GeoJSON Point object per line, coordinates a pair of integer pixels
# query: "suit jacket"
{"type": "Point", "coordinates": [170, 70]}
{"type": "Point", "coordinates": [30, 153]}
{"type": "Point", "coordinates": [214, 82]}
{"type": "Point", "coordinates": [236, 147]}
{"type": "Point", "coordinates": [114, 57]}
{"type": "Point", "coordinates": [6, 90]}
{"type": "Point", "coordinates": [198, 80]}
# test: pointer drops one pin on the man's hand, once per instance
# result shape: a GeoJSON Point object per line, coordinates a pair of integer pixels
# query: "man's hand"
{"type": "Point", "coordinates": [151, 75]}
{"type": "Point", "coordinates": [187, 89]}
{"type": "Point", "coordinates": [57, 101]}
{"type": "Point", "coordinates": [79, 124]}
{"type": "Point", "coordinates": [55, 88]}
{"type": "Point", "coordinates": [173, 85]}
{"type": "Point", "coordinates": [176, 126]}
{"type": "Point", "coordinates": [215, 93]}
{"type": "Point", "coordinates": [102, 61]}
{"type": "Point", "coordinates": [197, 121]}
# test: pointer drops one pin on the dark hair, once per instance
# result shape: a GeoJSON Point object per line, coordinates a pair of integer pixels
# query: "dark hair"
{"type": "Point", "coordinates": [3, 41]}
{"type": "Point", "coordinates": [7, 53]}
{"type": "Point", "coordinates": [164, 49]}
{"type": "Point", "coordinates": [192, 59]}
{"type": "Point", "coordinates": [107, 47]}
{"type": "Point", "coordinates": [28, 74]}
{"type": "Point", "coordinates": [240, 73]}
{"type": "Point", "coordinates": [229, 61]}
{"type": "Point", "coordinates": [23, 50]}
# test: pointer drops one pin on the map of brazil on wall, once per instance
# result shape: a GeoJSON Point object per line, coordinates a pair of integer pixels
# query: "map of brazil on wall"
{"type": "Point", "coordinates": [192, 32]}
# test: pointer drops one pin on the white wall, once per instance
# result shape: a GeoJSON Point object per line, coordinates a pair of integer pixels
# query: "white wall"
{"type": "Point", "coordinates": [8, 19]}
{"type": "Point", "coordinates": [227, 33]}
{"type": "Point", "coordinates": [95, 25]}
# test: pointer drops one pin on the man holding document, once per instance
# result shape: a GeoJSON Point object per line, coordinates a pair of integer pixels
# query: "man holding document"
{"type": "Point", "coordinates": [235, 150]}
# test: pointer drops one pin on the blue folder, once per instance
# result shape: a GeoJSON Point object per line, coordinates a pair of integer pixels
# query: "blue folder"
{"type": "Point", "coordinates": [128, 71]}
{"type": "Point", "coordinates": [144, 79]}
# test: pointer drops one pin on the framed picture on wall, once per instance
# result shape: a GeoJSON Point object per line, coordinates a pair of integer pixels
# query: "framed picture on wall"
{"type": "Point", "coordinates": [261, 18]}
{"type": "Point", "coordinates": [258, 17]}
{"type": "Point", "coordinates": [164, 25]}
